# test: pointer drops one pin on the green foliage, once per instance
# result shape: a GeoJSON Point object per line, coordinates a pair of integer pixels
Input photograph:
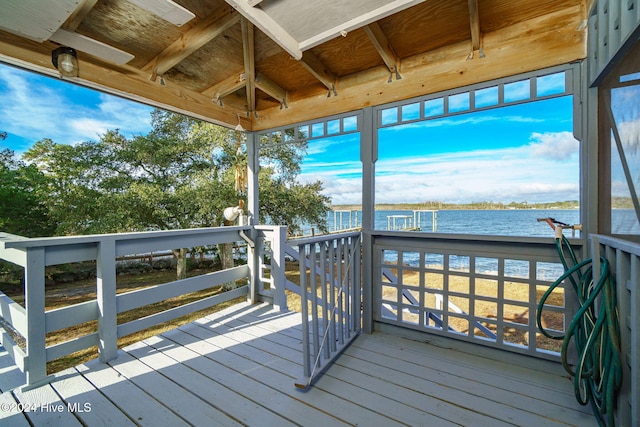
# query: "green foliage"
{"type": "Point", "coordinates": [23, 210]}
{"type": "Point", "coordinates": [182, 174]}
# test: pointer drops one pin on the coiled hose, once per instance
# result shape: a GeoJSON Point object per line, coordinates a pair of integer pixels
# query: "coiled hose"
{"type": "Point", "coordinates": [594, 330]}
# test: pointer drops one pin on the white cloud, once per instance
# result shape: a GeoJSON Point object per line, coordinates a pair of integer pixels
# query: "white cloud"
{"type": "Point", "coordinates": [554, 145]}
{"type": "Point", "coordinates": [483, 175]}
{"type": "Point", "coordinates": [33, 108]}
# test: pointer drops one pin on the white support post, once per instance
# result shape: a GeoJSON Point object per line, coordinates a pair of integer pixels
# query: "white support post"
{"type": "Point", "coordinates": [36, 366]}
{"type": "Point", "coordinates": [278, 279]}
{"type": "Point", "coordinates": [106, 296]}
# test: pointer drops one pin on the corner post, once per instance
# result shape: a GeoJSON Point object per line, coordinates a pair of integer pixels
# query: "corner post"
{"type": "Point", "coordinates": [368, 157]}
{"type": "Point", "coordinates": [36, 367]}
{"type": "Point", "coordinates": [106, 297]}
{"type": "Point", "coordinates": [253, 254]}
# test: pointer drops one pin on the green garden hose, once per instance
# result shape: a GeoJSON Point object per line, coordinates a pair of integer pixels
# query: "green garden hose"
{"type": "Point", "coordinates": [594, 329]}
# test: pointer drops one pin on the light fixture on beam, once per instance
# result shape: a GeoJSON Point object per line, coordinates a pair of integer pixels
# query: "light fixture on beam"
{"type": "Point", "coordinates": [65, 59]}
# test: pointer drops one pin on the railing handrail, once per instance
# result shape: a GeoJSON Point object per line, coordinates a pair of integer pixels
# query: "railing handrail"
{"type": "Point", "coordinates": [19, 242]}
{"type": "Point", "coordinates": [322, 238]}
{"type": "Point", "coordinates": [34, 254]}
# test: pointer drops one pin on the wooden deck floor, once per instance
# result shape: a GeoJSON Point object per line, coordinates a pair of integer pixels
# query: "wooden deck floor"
{"type": "Point", "coordinates": [238, 367]}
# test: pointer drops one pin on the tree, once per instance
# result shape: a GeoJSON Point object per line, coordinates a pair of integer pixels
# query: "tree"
{"type": "Point", "coordinates": [182, 174]}
{"type": "Point", "coordinates": [23, 209]}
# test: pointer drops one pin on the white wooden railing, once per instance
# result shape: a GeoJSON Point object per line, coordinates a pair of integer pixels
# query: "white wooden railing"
{"type": "Point", "coordinates": [33, 322]}
{"type": "Point", "coordinates": [624, 259]}
{"type": "Point", "coordinates": [330, 295]}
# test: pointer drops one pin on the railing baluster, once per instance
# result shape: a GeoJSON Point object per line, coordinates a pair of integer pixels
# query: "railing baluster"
{"type": "Point", "coordinates": [313, 279]}
{"type": "Point", "coordinates": [332, 293]}
{"type": "Point", "coordinates": [326, 304]}
{"type": "Point", "coordinates": [341, 293]}
{"type": "Point", "coordinates": [304, 308]}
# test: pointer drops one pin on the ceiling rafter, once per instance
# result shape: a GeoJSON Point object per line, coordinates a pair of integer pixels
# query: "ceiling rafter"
{"type": "Point", "coordinates": [202, 33]}
{"type": "Point", "coordinates": [74, 20]}
{"type": "Point", "coordinates": [474, 21]}
{"type": "Point", "coordinates": [248, 51]}
{"type": "Point", "coordinates": [226, 87]}
{"type": "Point", "coordinates": [271, 88]}
{"type": "Point", "coordinates": [384, 48]}
{"type": "Point", "coordinates": [319, 71]}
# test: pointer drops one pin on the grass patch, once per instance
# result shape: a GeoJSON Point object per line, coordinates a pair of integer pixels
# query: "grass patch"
{"type": "Point", "coordinates": [59, 295]}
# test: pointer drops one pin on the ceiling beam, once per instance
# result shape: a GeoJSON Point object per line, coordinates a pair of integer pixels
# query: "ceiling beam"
{"type": "Point", "coordinates": [248, 51]}
{"type": "Point", "coordinates": [474, 21]}
{"type": "Point", "coordinates": [271, 88]}
{"type": "Point", "coordinates": [267, 25]}
{"type": "Point", "coordinates": [226, 87]}
{"type": "Point", "coordinates": [254, 3]}
{"type": "Point", "coordinates": [384, 48]}
{"type": "Point", "coordinates": [74, 20]}
{"type": "Point", "coordinates": [319, 71]}
{"type": "Point", "coordinates": [199, 35]}
{"type": "Point", "coordinates": [537, 43]}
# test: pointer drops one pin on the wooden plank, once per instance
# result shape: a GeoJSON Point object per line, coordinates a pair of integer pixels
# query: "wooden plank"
{"type": "Point", "coordinates": [135, 403]}
{"type": "Point", "coordinates": [474, 20]}
{"type": "Point", "coordinates": [82, 10]}
{"type": "Point", "coordinates": [13, 314]}
{"type": "Point", "coordinates": [258, 349]}
{"type": "Point", "coordinates": [276, 384]}
{"type": "Point", "coordinates": [223, 350]}
{"type": "Point", "coordinates": [485, 387]}
{"type": "Point", "coordinates": [445, 410]}
{"type": "Point", "coordinates": [91, 406]}
{"type": "Point", "coordinates": [319, 70]}
{"type": "Point", "coordinates": [213, 383]}
{"type": "Point", "coordinates": [180, 400]}
{"type": "Point", "coordinates": [135, 299]}
{"type": "Point", "coordinates": [71, 346]}
{"type": "Point", "coordinates": [45, 407]}
{"type": "Point", "coordinates": [268, 26]}
{"type": "Point", "coordinates": [10, 375]}
{"type": "Point", "coordinates": [71, 315]}
{"type": "Point", "coordinates": [559, 402]}
{"type": "Point", "coordinates": [435, 406]}
{"type": "Point", "coordinates": [383, 46]}
{"type": "Point", "coordinates": [10, 414]}
{"type": "Point", "coordinates": [205, 31]}
{"type": "Point", "coordinates": [106, 299]}
{"type": "Point", "coordinates": [269, 87]}
{"type": "Point", "coordinates": [173, 313]}
{"type": "Point", "coordinates": [231, 84]}
{"type": "Point", "coordinates": [248, 54]}
{"type": "Point", "coordinates": [34, 308]}
{"type": "Point", "coordinates": [526, 46]}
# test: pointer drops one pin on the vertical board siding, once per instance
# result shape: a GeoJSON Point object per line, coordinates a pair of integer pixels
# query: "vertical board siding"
{"type": "Point", "coordinates": [624, 258]}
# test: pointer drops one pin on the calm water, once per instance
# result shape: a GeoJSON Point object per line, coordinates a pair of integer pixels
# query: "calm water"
{"type": "Point", "coordinates": [497, 222]}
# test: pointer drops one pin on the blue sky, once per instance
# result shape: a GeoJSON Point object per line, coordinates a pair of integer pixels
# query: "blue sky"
{"type": "Point", "coordinates": [33, 107]}
{"type": "Point", "coordinates": [520, 153]}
